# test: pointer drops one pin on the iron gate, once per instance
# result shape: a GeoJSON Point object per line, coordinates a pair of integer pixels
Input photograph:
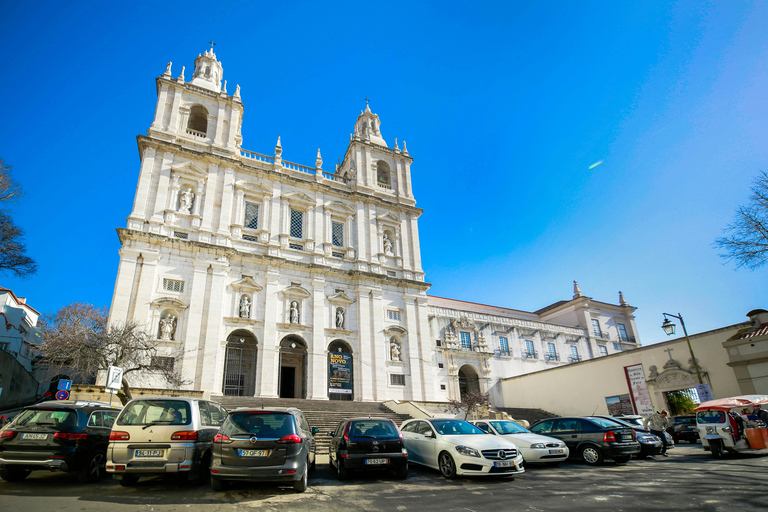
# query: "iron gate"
{"type": "Point", "coordinates": [240, 371]}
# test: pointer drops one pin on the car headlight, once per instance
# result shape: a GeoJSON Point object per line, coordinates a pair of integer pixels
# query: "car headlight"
{"type": "Point", "coordinates": [538, 445]}
{"type": "Point", "coordinates": [466, 450]}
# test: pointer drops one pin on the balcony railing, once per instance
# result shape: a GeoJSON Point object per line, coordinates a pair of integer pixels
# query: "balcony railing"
{"type": "Point", "coordinates": [529, 354]}
{"type": "Point", "coordinates": [551, 357]}
{"type": "Point", "coordinates": [574, 359]}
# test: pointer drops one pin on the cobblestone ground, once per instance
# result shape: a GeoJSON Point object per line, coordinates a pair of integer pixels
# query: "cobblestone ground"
{"type": "Point", "coordinates": [687, 480]}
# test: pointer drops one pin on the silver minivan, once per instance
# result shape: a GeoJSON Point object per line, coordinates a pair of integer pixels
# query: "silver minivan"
{"type": "Point", "coordinates": [164, 435]}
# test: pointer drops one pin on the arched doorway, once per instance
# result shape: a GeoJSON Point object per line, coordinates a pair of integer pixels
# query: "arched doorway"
{"type": "Point", "coordinates": [469, 380]}
{"type": "Point", "coordinates": [240, 364]}
{"type": "Point", "coordinates": [293, 367]}
{"type": "Point", "coordinates": [340, 372]}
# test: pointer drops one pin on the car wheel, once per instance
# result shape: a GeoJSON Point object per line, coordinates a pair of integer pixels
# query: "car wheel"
{"type": "Point", "coordinates": [592, 455]}
{"type": "Point", "coordinates": [217, 484]}
{"type": "Point", "coordinates": [128, 480]}
{"type": "Point", "coordinates": [14, 474]}
{"type": "Point", "coordinates": [623, 459]}
{"type": "Point", "coordinates": [446, 465]}
{"type": "Point", "coordinates": [717, 449]}
{"type": "Point", "coordinates": [301, 485]}
{"type": "Point", "coordinates": [402, 473]}
{"type": "Point", "coordinates": [94, 469]}
{"type": "Point", "coordinates": [341, 471]}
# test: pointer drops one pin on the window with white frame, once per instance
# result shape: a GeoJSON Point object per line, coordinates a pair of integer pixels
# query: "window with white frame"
{"type": "Point", "coordinates": [551, 351]}
{"type": "Point", "coordinates": [617, 346]}
{"type": "Point", "coordinates": [529, 351]}
{"type": "Point", "coordinates": [466, 340]}
{"type": "Point", "coordinates": [337, 234]}
{"type": "Point", "coordinates": [297, 224]}
{"type": "Point", "coordinates": [251, 220]}
{"type": "Point", "coordinates": [393, 315]}
{"type": "Point", "coordinates": [173, 285]}
{"type": "Point", "coordinates": [596, 327]}
{"type": "Point", "coordinates": [603, 350]}
{"type": "Point", "coordinates": [622, 332]}
{"type": "Point", "coordinates": [503, 346]}
{"type": "Point", "coordinates": [574, 353]}
{"type": "Point", "coordinates": [397, 379]}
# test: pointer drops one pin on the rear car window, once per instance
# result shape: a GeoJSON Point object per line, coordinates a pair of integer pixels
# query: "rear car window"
{"type": "Point", "coordinates": [373, 428]}
{"type": "Point", "coordinates": [270, 425]}
{"type": "Point", "coordinates": [51, 418]}
{"type": "Point", "coordinates": [160, 412]}
{"type": "Point", "coordinates": [606, 423]}
{"type": "Point", "coordinates": [685, 421]}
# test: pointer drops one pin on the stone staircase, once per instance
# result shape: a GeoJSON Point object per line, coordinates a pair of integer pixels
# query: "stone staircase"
{"type": "Point", "coordinates": [530, 415]}
{"type": "Point", "coordinates": [323, 414]}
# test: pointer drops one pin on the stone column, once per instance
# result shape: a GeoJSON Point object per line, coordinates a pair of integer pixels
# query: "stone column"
{"type": "Point", "coordinates": [173, 123]}
{"type": "Point", "coordinates": [126, 273]}
{"type": "Point", "coordinates": [163, 187]}
{"type": "Point", "coordinates": [210, 185]}
{"type": "Point", "coordinates": [141, 199]}
{"type": "Point", "coordinates": [415, 364]}
{"type": "Point", "coordinates": [364, 356]}
{"type": "Point", "coordinates": [207, 360]}
{"type": "Point", "coordinates": [225, 219]}
{"type": "Point", "coordinates": [217, 139]}
{"type": "Point", "coordinates": [160, 107]}
{"type": "Point", "coordinates": [317, 380]}
{"type": "Point", "coordinates": [379, 346]}
{"type": "Point", "coordinates": [268, 361]}
{"type": "Point", "coordinates": [193, 321]}
{"type": "Point", "coordinates": [360, 227]}
{"type": "Point", "coordinates": [415, 247]}
{"type": "Point", "coordinates": [140, 309]}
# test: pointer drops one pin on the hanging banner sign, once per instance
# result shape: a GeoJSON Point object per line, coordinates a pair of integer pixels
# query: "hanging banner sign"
{"type": "Point", "coordinates": [340, 373]}
{"type": "Point", "coordinates": [638, 389]}
{"type": "Point", "coordinates": [619, 405]}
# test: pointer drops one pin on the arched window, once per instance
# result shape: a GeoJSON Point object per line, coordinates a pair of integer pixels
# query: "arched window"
{"type": "Point", "coordinates": [382, 173]}
{"type": "Point", "coordinates": [198, 119]}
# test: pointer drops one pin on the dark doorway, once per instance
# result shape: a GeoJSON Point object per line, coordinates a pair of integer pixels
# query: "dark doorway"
{"type": "Point", "coordinates": [240, 365]}
{"type": "Point", "coordinates": [287, 382]}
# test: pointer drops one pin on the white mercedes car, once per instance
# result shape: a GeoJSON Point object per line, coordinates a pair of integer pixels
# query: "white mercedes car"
{"type": "Point", "coordinates": [456, 447]}
{"type": "Point", "coordinates": [534, 447]}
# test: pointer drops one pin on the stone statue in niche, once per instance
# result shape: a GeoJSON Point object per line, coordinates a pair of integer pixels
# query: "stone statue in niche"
{"type": "Point", "coordinates": [186, 200]}
{"type": "Point", "coordinates": [339, 318]}
{"type": "Point", "coordinates": [394, 349]}
{"type": "Point", "coordinates": [167, 327]}
{"type": "Point", "coordinates": [387, 243]}
{"type": "Point", "coordinates": [294, 312]}
{"type": "Point", "coordinates": [245, 307]}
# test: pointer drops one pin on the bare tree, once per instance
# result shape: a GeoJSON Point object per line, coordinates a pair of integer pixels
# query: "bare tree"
{"type": "Point", "coordinates": [746, 240]}
{"type": "Point", "coordinates": [470, 402]}
{"type": "Point", "coordinates": [77, 340]}
{"type": "Point", "coordinates": [13, 258]}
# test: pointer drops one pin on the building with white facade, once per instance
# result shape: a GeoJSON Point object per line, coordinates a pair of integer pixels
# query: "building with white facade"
{"type": "Point", "coordinates": [18, 328]}
{"type": "Point", "coordinates": [263, 277]}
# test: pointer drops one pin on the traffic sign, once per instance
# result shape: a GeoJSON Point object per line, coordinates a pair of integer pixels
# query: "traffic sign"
{"type": "Point", "coordinates": [65, 384]}
{"type": "Point", "coordinates": [114, 377]}
{"type": "Point", "coordinates": [62, 394]}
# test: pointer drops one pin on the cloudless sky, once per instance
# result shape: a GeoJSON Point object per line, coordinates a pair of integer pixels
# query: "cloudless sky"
{"type": "Point", "coordinates": [504, 107]}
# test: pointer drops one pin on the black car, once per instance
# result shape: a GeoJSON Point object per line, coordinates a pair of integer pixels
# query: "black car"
{"type": "Point", "coordinates": [365, 444]}
{"type": "Point", "coordinates": [650, 444]}
{"type": "Point", "coordinates": [592, 438]}
{"type": "Point", "coordinates": [684, 429]}
{"type": "Point", "coordinates": [69, 436]}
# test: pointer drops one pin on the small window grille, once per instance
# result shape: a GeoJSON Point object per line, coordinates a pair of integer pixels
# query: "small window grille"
{"type": "Point", "coordinates": [393, 315]}
{"type": "Point", "coordinates": [163, 363]}
{"type": "Point", "coordinates": [439, 343]}
{"type": "Point", "coordinates": [339, 255]}
{"type": "Point", "coordinates": [250, 238]}
{"type": "Point", "coordinates": [251, 216]}
{"type": "Point", "coordinates": [439, 365]}
{"type": "Point", "coordinates": [391, 273]}
{"type": "Point", "coordinates": [466, 341]}
{"type": "Point", "coordinates": [181, 235]}
{"type": "Point", "coordinates": [296, 247]}
{"type": "Point", "coordinates": [442, 387]}
{"type": "Point", "coordinates": [397, 379]}
{"type": "Point", "coordinates": [504, 346]}
{"type": "Point", "coordinates": [297, 223]}
{"type": "Point", "coordinates": [337, 234]}
{"type": "Point", "coordinates": [173, 285]}
{"type": "Point", "coordinates": [603, 350]}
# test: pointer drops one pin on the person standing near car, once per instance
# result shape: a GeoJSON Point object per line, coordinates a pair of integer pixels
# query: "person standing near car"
{"type": "Point", "coordinates": [762, 414]}
{"type": "Point", "coordinates": [659, 424]}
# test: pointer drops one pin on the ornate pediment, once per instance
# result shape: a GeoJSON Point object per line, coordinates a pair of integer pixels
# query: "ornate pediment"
{"type": "Point", "coordinates": [388, 218]}
{"type": "Point", "coordinates": [296, 291]}
{"type": "Point", "coordinates": [252, 188]}
{"type": "Point", "coordinates": [169, 302]}
{"type": "Point", "coordinates": [395, 330]}
{"type": "Point", "coordinates": [246, 285]}
{"type": "Point", "coordinates": [189, 170]}
{"type": "Point", "coordinates": [336, 206]}
{"type": "Point", "coordinates": [464, 323]}
{"type": "Point", "coordinates": [340, 298]}
{"type": "Point", "coordinates": [299, 198]}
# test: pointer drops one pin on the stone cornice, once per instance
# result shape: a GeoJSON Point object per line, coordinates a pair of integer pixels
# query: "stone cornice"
{"type": "Point", "coordinates": [527, 325]}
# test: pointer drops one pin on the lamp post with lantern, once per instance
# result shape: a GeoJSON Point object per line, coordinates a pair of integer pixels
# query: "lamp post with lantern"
{"type": "Point", "coordinates": [669, 328]}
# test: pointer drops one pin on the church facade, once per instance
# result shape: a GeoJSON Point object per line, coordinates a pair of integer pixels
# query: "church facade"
{"type": "Point", "coordinates": [263, 277]}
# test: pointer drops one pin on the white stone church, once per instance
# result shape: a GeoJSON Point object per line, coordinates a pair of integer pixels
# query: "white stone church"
{"type": "Point", "coordinates": [264, 277]}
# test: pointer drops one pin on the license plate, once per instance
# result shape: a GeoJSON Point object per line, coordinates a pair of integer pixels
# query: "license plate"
{"type": "Point", "coordinates": [376, 461]}
{"type": "Point", "coordinates": [148, 453]}
{"type": "Point", "coordinates": [34, 436]}
{"type": "Point", "coordinates": [626, 438]}
{"type": "Point", "coordinates": [254, 453]}
{"type": "Point", "coordinates": [556, 451]}
{"type": "Point", "coordinates": [504, 464]}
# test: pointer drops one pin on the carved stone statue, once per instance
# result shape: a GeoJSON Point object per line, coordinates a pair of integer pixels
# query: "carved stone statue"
{"type": "Point", "coordinates": [339, 318]}
{"type": "Point", "coordinates": [387, 243]}
{"type": "Point", "coordinates": [294, 312]}
{"type": "Point", "coordinates": [654, 372]}
{"type": "Point", "coordinates": [167, 327]}
{"type": "Point", "coordinates": [394, 349]}
{"type": "Point", "coordinates": [185, 203]}
{"type": "Point", "coordinates": [245, 307]}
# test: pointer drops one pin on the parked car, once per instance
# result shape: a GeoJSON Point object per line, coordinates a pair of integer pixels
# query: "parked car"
{"type": "Point", "coordinates": [591, 438]}
{"type": "Point", "coordinates": [456, 447]}
{"type": "Point", "coordinates": [264, 445]}
{"type": "Point", "coordinates": [636, 419]}
{"type": "Point", "coordinates": [533, 447]}
{"type": "Point", "coordinates": [69, 436]}
{"type": "Point", "coordinates": [650, 444]}
{"type": "Point", "coordinates": [684, 429]}
{"type": "Point", "coordinates": [367, 444]}
{"type": "Point", "coordinates": [162, 435]}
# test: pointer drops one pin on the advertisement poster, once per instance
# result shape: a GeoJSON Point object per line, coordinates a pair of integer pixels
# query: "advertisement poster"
{"type": "Point", "coordinates": [618, 405]}
{"type": "Point", "coordinates": [638, 389]}
{"type": "Point", "coordinates": [340, 373]}
{"type": "Point", "coordinates": [705, 395]}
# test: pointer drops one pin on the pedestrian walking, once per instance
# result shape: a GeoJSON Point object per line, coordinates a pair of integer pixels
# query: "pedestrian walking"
{"type": "Point", "coordinates": [659, 423]}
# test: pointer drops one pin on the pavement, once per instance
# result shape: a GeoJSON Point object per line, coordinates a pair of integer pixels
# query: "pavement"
{"type": "Point", "coordinates": [689, 479]}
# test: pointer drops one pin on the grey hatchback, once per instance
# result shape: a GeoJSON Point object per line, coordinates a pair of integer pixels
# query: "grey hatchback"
{"type": "Point", "coordinates": [258, 445]}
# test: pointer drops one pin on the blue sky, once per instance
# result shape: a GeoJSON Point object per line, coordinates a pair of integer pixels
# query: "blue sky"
{"type": "Point", "coordinates": [504, 106]}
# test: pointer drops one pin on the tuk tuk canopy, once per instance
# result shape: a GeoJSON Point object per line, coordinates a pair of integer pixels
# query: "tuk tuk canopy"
{"type": "Point", "coordinates": [726, 404]}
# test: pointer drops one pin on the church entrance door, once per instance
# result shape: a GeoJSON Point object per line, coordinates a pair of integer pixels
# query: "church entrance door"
{"type": "Point", "coordinates": [469, 381]}
{"type": "Point", "coordinates": [293, 368]}
{"type": "Point", "coordinates": [240, 365]}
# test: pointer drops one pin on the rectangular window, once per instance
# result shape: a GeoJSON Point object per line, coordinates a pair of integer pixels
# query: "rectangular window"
{"type": "Point", "coordinates": [297, 224]}
{"type": "Point", "coordinates": [397, 379]}
{"type": "Point", "coordinates": [391, 273]}
{"type": "Point", "coordinates": [393, 315]}
{"type": "Point", "coordinates": [466, 341]}
{"type": "Point", "coordinates": [181, 235]}
{"type": "Point", "coordinates": [504, 346]}
{"type": "Point", "coordinates": [530, 352]}
{"type": "Point", "coordinates": [296, 247]}
{"type": "Point", "coordinates": [439, 365]}
{"type": "Point", "coordinates": [622, 332]}
{"type": "Point", "coordinates": [574, 353]}
{"type": "Point", "coordinates": [172, 285]}
{"type": "Point", "coordinates": [251, 216]}
{"type": "Point", "coordinates": [337, 234]}
{"type": "Point", "coordinates": [603, 350]}
{"type": "Point", "coordinates": [250, 238]}
{"type": "Point", "coordinates": [339, 255]}
{"type": "Point", "coordinates": [552, 352]}
{"type": "Point", "coordinates": [596, 327]}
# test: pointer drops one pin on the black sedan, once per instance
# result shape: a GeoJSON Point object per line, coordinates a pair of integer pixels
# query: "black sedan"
{"type": "Point", "coordinates": [684, 429]}
{"type": "Point", "coordinates": [592, 438]}
{"type": "Point", "coordinates": [650, 444]}
{"type": "Point", "coordinates": [360, 444]}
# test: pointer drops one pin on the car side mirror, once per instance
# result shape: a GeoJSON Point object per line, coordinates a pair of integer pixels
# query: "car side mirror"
{"type": "Point", "coordinates": [429, 434]}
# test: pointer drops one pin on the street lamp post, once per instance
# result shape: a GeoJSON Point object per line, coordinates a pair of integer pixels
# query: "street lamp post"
{"type": "Point", "coordinates": [669, 328]}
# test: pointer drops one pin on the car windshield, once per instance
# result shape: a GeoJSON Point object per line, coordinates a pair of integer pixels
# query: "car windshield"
{"type": "Point", "coordinates": [509, 427]}
{"type": "Point", "coordinates": [685, 421]}
{"type": "Point", "coordinates": [624, 423]}
{"type": "Point", "coordinates": [606, 423]}
{"type": "Point", "coordinates": [52, 418]}
{"type": "Point", "coordinates": [156, 412]}
{"type": "Point", "coordinates": [262, 424]}
{"type": "Point", "coordinates": [377, 429]}
{"type": "Point", "coordinates": [710, 417]}
{"type": "Point", "coordinates": [632, 421]}
{"type": "Point", "coordinates": [455, 427]}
